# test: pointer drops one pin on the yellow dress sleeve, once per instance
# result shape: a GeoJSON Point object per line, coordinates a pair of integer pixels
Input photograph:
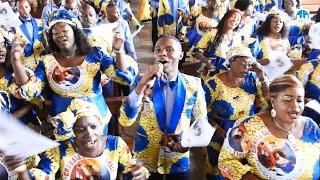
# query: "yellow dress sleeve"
{"type": "Point", "coordinates": [126, 159]}
{"type": "Point", "coordinates": [229, 162]}
{"type": "Point", "coordinates": [304, 72]}
{"type": "Point", "coordinates": [205, 40]}
{"type": "Point", "coordinates": [264, 44]}
{"type": "Point", "coordinates": [50, 161]}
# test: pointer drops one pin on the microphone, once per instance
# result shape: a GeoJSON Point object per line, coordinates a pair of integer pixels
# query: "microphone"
{"type": "Point", "coordinates": [154, 77]}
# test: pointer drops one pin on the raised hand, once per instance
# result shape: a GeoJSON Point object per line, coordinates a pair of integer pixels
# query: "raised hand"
{"type": "Point", "coordinates": [18, 45]}
{"type": "Point", "coordinates": [117, 42]}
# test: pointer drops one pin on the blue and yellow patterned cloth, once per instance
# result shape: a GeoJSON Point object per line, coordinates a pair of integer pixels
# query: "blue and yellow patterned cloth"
{"type": "Point", "coordinates": [218, 54]}
{"type": "Point", "coordinates": [189, 105]}
{"type": "Point", "coordinates": [9, 102]}
{"type": "Point", "coordinates": [34, 47]}
{"type": "Point", "coordinates": [116, 157]}
{"type": "Point", "coordinates": [264, 5]}
{"type": "Point", "coordinates": [72, 165]}
{"type": "Point", "coordinates": [309, 74]}
{"type": "Point", "coordinates": [63, 15]}
{"type": "Point", "coordinates": [168, 17]}
{"type": "Point", "coordinates": [67, 83]}
{"type": "Point", "coordinates": [64, 121]}
{"type": "Point", "coordinates": [270, 157]}
{"type": "Point", "coordinates": [195, 34]}
{"type": "Point", "coordinates": [226, 105]}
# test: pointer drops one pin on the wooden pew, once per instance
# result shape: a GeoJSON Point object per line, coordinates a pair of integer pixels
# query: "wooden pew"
{"type": "Point", "coordinates": [311, 5]}
{"type": "Point", "coordinates": [190, 67]}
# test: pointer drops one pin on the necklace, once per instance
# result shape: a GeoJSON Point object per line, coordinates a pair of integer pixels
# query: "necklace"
{"type": "Point", "coordinates": [66, 57]}
{"type": "Point", "coordinates": [278, 125]}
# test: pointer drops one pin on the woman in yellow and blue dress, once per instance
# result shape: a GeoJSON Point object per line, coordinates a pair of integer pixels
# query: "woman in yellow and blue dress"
{"type": "Point", "coordinates": [72, 70]}
{"type": "Point", "coordinates": [248, 26]}
{"type": "Point", "coordinates": [275, 46]}
{"type": "Point", "coordinates": [314, 37]}
{"type": "Point", "coordinates": [212, 47]}
{"type": "Point", "coordinates": [309, 74]}
{"type": "Point", "coordinates": [232, 95]}
{"type": "Point", "coordinates": [276, 144]}
{"type": "Point", "coordinates": [205, 18]}
{"type": "Point", "coordinates": [22, 110]}
{"type": "Point", "coordinates": [88, 154]}
{"type": "Point", "coordinates": [264, 5]}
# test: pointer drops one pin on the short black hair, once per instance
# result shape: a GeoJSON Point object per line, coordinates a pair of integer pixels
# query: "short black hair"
{"type": "Point", "coordinates": [112, 3]}
{"type": "Point", "coordinates": [173, 38]}
{"type": "Point", "coordinates": [83, 46]}
{"type": "Point", "coordinates": [242, 5]}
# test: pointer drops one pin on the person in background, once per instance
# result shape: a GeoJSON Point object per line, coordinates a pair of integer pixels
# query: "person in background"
{"type": "Point", "coordinates": [204, 18]}
{"type": "Point", "coordinates": [167, 102]}
{"type": "Point", "coordinates": [298, 30]}
{"type": "Point", "coordinates": [248, 26]}
{"type": "Point", "coordinates": [308, 74]}
{"type": "Point", "coordinates": [154, 4]}
{"type": "Point", "coordinates": [97, 36]}
{"type": "Point", "coordinates": [232, 95]}
{"type": "Point", "coordinates": [314, 38]}
{"type": "Point", "coordinates": [97, 156]}
{"type": "Point", "coordinates": [275, 46]}
{"type": "Point", "coordinates": [51, 6]}
{"type": "Point", "coordinates": [169, 13]}
{"type": "Point", "coordinates": [113, 16]}
{"type": "Point", "coordinates": [24, 111]}
{"type": "Point", "coordinates": [73, 7]}
{"type": "Point", "coordinates": [31, 31]}
{"type": "Point", "coordinates": [212, 47]}
{"type": "Point", "coordinates": [72, 69]}
{"type": "Point", "coordinates": [263, 6]}
{"type": "Point", "coordinates": [276, 143]}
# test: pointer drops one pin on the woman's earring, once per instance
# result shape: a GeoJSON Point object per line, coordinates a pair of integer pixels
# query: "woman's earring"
{"type": "Point", "coordinates": [273, 113]}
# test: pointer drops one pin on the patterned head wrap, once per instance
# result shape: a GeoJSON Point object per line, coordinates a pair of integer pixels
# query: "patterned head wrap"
{"type": "Point", "coordinates": [65, 16]}
{"type": "Point", "coordinates": [64, 121]}
{"type": "Point", "coordinates": [239, 51]}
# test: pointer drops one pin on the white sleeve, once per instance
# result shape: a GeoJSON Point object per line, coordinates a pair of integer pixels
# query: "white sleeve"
{"type": "Point", "coordinates": [135, 99]}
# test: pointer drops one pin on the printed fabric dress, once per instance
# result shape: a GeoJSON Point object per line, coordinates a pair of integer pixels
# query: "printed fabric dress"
{"type": "Point", "coordinates": [10, 103]}
{"type": "Point", "coordinates": [309, 75]}
{"type": "Point", "coordinates": [116, 157]}
{"type": "Point", "coordinates": [276, 52]}
{"type": "Point", "coordinates": [270, 157]}
{"type": "Point", "coordinates": [225, 106]}
{"type": "Point", "coordinates": [67, 83]}
{"type": "Point", "coordinates": [218, 54]}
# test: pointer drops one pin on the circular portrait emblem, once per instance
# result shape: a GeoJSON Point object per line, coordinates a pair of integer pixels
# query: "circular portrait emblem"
{"type": "Point", "coordinates": [238, 141]}
{"type": "Point", "coordinates": [277, 158]}
{"type": "Point", "coordinates": [89, 169]}
{"type": "Point", "coordinates": [67, 78]}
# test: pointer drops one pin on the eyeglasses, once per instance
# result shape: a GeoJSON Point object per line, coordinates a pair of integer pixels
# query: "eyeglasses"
{"type": "Point", "coordinates": [245, 64]}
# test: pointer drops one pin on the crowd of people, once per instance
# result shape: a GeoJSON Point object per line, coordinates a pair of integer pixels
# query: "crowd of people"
{"type": "Point", "coordinates": [257, 87]}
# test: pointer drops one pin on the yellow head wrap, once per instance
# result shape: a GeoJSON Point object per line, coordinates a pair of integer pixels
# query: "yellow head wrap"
{"type": "Point", "coordinates": [64, 121]}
